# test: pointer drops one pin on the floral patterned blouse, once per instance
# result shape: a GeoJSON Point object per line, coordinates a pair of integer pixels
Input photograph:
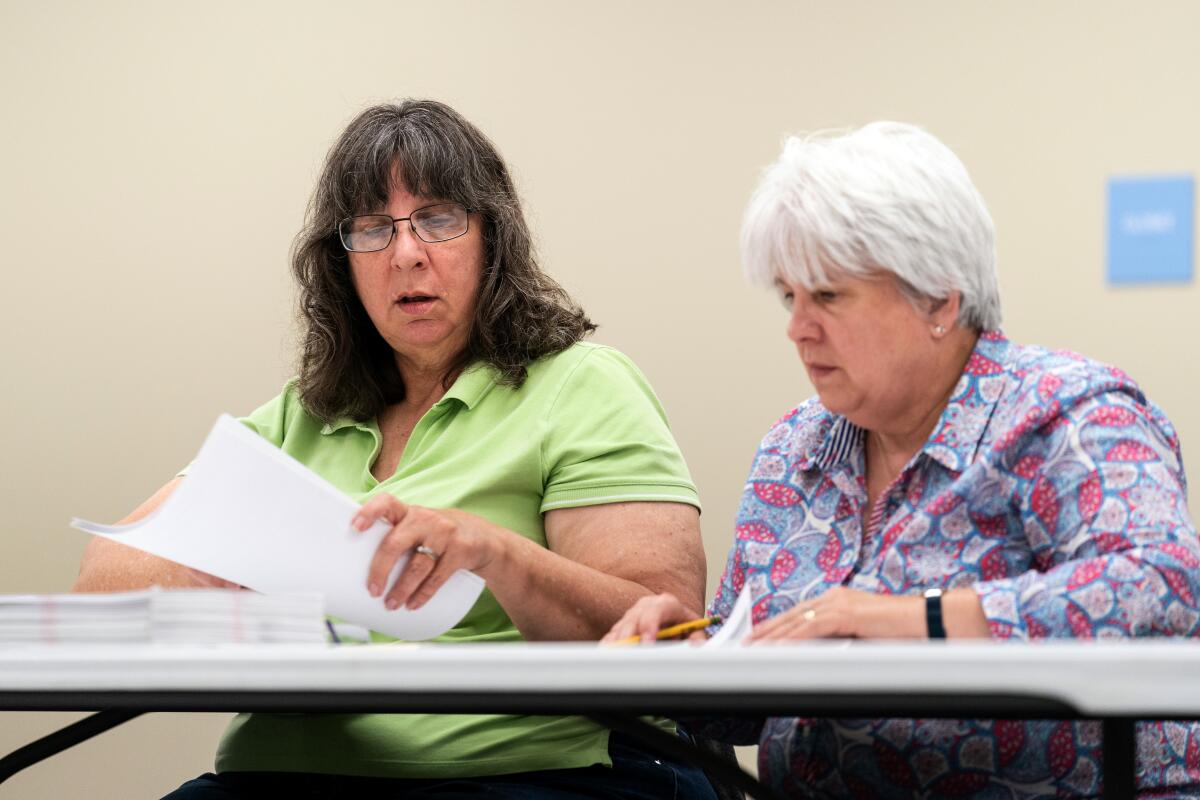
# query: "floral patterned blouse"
{"type": "Point", "coordinates": [1054, 488]}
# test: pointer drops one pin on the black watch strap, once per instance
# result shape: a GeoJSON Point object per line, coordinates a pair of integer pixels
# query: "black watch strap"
{"type": "Point", "coordinates": [933, 614]}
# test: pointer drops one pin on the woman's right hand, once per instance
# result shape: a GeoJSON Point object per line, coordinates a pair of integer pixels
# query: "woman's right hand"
{"type": "Point", "coordinates": [650, 614]}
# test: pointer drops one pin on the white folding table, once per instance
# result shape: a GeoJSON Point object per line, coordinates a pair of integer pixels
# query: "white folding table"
{"type": "Point", "coordinates": [1117, 682]}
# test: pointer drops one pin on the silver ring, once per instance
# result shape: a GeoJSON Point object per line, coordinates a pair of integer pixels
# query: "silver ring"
{"type": "Point", "coordinates": [428, 551]}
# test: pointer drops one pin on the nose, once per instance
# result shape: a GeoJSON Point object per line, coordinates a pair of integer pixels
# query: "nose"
{"type": "Point", "coordinates": [802, 325]}
{"type": "Point", "coordinates": [406, 250]}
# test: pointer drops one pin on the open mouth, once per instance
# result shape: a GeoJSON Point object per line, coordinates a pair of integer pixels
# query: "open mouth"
{"type": "Point", "coordinates": [417, 305]}
{"type": "Point", "coordinates": [413, 299]}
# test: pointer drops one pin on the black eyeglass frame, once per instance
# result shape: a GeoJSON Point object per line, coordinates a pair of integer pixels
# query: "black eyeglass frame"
{"type": "Point", "coordinates": [342, 236]}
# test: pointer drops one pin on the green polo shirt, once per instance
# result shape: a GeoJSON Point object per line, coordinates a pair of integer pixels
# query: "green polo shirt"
{"type": "Point", "coordinates": [584, 429]}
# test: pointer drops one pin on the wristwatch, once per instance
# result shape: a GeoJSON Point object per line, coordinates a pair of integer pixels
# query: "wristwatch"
{"type": "Point", "coordinates": [933, 614]}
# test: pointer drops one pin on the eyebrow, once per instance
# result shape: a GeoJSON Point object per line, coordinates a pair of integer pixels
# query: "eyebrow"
{"type": "Point", "coordinates": [424, 203]}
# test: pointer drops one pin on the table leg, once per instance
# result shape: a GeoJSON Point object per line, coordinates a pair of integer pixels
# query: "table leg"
{"type": "Point", "coordinates": [660, 741]}
{"type": "Point", "coordinates": [61, 739]}
{"type": "Point", "coordinates": [1120, 757]}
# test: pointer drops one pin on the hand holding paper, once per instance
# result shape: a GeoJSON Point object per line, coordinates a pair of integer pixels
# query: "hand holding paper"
{"type": "Point", "coordinates": [443, 541]}
{"type": "Point", "coordinates": [250, 514]}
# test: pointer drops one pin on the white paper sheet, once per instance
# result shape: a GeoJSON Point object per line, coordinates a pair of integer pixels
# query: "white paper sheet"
{"type": "Point", "coordinates": [248, 513]}
{"type": "Point", "coordinates": [737, 625]}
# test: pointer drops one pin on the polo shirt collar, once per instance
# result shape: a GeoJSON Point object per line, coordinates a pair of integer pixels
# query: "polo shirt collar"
{"type": "Point", "coordinates": [346, 422]}
{"type": "Point", "coordinates": [471, 386]}
{"type": "Point", "coordinates": [468, 389]}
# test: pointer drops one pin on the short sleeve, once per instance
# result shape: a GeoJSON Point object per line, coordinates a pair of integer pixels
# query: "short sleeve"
{"type": "Point", "coordinates": [606, 439]}
{"type": "Point", "coordinates": [267, 421]}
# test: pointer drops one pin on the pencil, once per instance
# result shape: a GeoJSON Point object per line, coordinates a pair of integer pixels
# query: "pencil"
{"type": "Point", "coordinates": [676, 630]}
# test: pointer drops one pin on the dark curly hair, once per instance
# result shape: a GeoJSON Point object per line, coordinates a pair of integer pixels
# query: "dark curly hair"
{"type": "Point", "coordinates": [346, 368]}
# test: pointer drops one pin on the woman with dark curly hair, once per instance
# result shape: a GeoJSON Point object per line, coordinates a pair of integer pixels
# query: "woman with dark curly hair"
{"type": "Point", "coordinates": [443, 383]}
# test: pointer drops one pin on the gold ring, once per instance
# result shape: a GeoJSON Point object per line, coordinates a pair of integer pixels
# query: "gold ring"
{"type": "Point", "coordinates": [809, 614]}
{"type": "Point", "coordinates": [428, 551]}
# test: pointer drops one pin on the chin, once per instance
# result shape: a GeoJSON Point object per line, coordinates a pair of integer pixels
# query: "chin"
{"type": "Point", "coordinates": [836, 404]}
{"type": "Point", "coordinates": [830, 403]}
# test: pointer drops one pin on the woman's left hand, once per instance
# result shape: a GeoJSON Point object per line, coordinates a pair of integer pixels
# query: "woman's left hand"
{"type": "Point", "coordinates": [849, 614]}
{"type": "Point", "coordinates": [441, 542]}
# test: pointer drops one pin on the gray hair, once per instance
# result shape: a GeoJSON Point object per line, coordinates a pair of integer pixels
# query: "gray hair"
{"type": "Point", "coordinates": [521, 314]}
{"type": "Point", "coordinates": [887, 197]}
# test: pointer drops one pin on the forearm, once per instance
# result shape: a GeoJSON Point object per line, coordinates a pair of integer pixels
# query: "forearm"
{"type": "Point", "coordinates": [904, 617]}
{"type": "Point", "coordinates": [550, 597]}
{"type": "Point", "coordinates": [108, 566]}
{"type": "Point", "coordinates": [962, 615]}
{"type": "Point", "coordinates": [596, 563]}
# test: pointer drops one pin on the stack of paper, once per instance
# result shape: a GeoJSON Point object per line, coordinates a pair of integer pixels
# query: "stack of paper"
{"type": "Point", "coordinates": [218, 616]}
{"type": "Point", "coordinates": [84, 618]}
{"type": "Point", "coordinates": [195, 616]}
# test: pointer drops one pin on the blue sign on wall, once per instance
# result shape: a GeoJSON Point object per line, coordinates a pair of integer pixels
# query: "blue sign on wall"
{"type": "Point", "coordinates": [1150, 229]}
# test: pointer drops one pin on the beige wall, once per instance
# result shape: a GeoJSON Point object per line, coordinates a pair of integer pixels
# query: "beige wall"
{"type": "Point", "coordinates": [157, 158]}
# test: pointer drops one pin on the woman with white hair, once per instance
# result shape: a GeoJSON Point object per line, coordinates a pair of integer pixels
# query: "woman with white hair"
{"type": "Point", "coordinates": [944, 482]}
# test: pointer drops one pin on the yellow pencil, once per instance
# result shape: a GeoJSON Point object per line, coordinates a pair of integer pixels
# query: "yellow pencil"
{"type": "Point", "coordinates": [676, 630]}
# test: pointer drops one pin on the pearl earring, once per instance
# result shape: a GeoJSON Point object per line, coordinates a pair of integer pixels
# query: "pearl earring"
{"type": "Point", "coordinates": [938, 330]}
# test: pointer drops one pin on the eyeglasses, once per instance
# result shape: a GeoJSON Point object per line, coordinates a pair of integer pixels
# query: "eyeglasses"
{"type": "Point", "coordinates": [369, 233]}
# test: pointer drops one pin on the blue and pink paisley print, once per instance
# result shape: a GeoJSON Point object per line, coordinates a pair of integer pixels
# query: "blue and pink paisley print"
{"type": "Point", "coordinates": [1054, 488]}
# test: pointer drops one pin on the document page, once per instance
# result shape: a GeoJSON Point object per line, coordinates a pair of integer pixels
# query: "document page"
{"type": "Point", "coordinates": [737, 625]}
{"type": "Point", "coordinates": [251, 514]}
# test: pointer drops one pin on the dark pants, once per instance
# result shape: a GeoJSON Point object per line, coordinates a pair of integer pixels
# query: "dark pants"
{"type": "Point", "coordinates": [634, 775]}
